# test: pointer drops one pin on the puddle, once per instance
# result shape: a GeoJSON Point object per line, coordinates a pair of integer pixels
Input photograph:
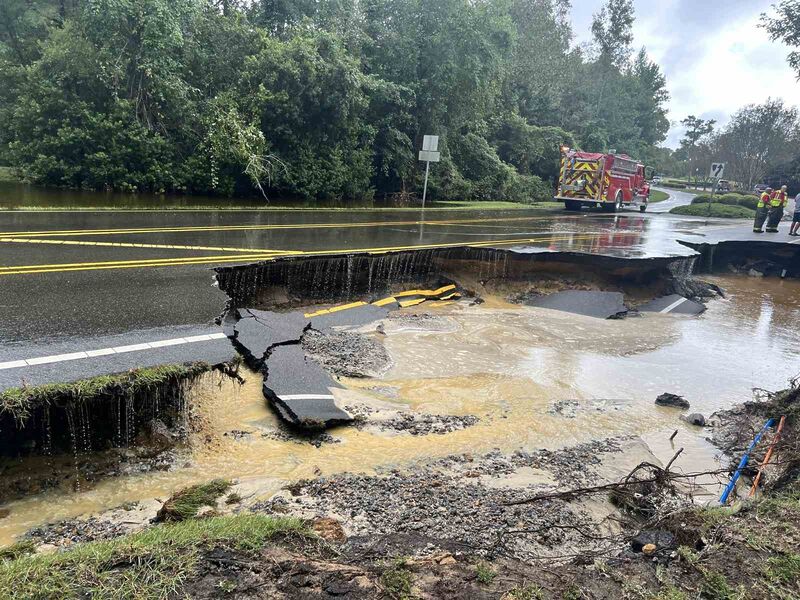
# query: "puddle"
{"type": "Point", "coordinates": [506, 365]}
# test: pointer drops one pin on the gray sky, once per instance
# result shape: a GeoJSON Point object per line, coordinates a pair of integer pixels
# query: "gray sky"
{"type": "Point", "coordinates": [713, 54]}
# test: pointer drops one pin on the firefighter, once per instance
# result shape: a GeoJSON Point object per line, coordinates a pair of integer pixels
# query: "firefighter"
{"type": "Point", "coordinates": [776, 207]}
{"type": "Point", "coordinates": [762, 209]}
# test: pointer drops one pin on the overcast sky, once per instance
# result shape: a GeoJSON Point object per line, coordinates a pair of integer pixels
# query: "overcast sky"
{"type": "Point", "coordinates": [713, 54]}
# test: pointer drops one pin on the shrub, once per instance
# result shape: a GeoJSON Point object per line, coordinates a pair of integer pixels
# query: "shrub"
{"type": "Point", "coordinates": [715, 210]}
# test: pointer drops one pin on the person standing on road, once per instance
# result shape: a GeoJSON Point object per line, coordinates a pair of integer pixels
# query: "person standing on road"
{"type": "Point", "coordinates": [762, 209]}
{"type": "Point", "coordinates": [776, 207]}
{"type": "Point", "coordinates": [796, 217]}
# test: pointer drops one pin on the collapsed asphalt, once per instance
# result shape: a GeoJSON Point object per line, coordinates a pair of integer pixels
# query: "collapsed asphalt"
{"type": "Point", "coordinates": [61, 299]}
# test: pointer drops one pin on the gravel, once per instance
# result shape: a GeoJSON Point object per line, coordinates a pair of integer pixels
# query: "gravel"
{"type": "Point", "coordinates": [450, 499]}
{"type": "Point", "coordinates": [347, 354]}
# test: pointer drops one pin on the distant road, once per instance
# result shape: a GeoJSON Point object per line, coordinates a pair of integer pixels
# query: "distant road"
{"type": "Point", "coordinates": [676, 198]}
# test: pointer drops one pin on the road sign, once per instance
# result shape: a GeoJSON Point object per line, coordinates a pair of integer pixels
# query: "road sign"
{"type": "Point", "coordinates": [430, 143]}
{"type": "Point", "coordinates": [717, 170]}
{"type": "Point", "coordinates": [429, 154]}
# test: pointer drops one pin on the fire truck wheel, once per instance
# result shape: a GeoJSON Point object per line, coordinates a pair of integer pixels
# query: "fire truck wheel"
{"type": "Point", "coordinates": [643, 208]}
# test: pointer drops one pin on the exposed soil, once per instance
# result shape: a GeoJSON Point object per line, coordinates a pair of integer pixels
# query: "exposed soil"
{"type": "Point", "coordinates": [347, 353]}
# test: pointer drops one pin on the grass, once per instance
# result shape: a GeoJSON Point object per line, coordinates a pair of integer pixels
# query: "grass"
{"type": "Point", "coordinates": [149, 565]}
{"type": "Point", "coordinates": [526, 592]}
{"type": "Point", "coordinates": [19, 402]}
{"type": "Point", "coordinates": [784, 569]}
{"type": "Point", "coordinates": [658, 196]}
{"type": "Point", "coordinates": [716, 209]}
{"type": "Point", "coordinates": [184, 504]}
{"type": "Point", "coordinates": [443, 206]}
{"type": "Point", "coordinates": [485, 573]}
{"type": "Point", "coordinates": [397, 580]}
{"type": "Point", "coordinates": [15, 551]}
{"type": "Point", "coordinates": [495, 205]}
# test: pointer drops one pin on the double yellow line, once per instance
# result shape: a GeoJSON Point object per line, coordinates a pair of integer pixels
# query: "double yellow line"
{"type": "Point", "coordinates": [269, 255]}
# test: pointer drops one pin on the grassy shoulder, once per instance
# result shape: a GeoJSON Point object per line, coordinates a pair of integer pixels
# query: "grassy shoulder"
{"type": "Point", "coordinates": [19, 402]}
{"type": "Point", "coordinates": [443, 206]}
{"type": "Point", "coordinates": [153, 563]}
{"type": "Point", "coordinates": [715, 209]}
{"type": "Point", "coordinates": [658, 196]}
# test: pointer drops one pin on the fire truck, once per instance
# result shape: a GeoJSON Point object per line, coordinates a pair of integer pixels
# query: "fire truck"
{"type": "Point", "coordinates": [608, 181]}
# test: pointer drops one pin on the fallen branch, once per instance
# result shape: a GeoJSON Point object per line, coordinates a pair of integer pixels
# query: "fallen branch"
{"type": "Point", "coordinates": [620, 485]}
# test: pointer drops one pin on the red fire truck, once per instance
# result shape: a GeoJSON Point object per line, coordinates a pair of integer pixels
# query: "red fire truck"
{"type": "Point", "coordinates": [609, 181]}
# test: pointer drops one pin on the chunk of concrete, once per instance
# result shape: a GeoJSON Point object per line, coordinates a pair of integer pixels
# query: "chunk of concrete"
{"type": "Point", "coordinates": [300, 390]}
{"type": "Point", "coordinates": [603, 305]}
{"type": "Point", "coordinates": [258, 330]}
{"type": "Point", "coordinates": [673, 304]}
{"type": "Point", "coordinates": [672, 400]}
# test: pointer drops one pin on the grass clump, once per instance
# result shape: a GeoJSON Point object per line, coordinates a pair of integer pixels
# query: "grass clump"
{"type": "Point", "coordinates": [716, 209]}
{"type": "Point", "coordinates": [525, 592]}
{"type": "Point", "coordinates": [15, 551]}
{"type": "Point", "coordinates": [784, 569]}
{"type": "Point", "coordinates": [149, 565]}
{"type": "Point", "coordinates": [397, 580]}
{"type": "Point", "coordinates": [657, 196]}
{"type": "Point", "coordinates": [485, 573]}
{"type": "Point", "coordinates": [19, 402]}
{"type": "Point", "coordinates": [185, 503]}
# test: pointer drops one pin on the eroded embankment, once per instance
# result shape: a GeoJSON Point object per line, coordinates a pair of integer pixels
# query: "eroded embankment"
{"type": "Point", "coordinates": [144, 409]}
{"type": "Point", "coordinates": [299, 281]}
{"type": "Point", "coordinates": [749, 257]}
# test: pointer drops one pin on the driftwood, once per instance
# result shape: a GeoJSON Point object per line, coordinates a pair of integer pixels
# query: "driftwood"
{"type": "Point", "coordinates": [661, 476]}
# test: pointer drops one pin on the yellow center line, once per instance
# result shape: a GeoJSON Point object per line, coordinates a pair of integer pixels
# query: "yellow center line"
{"type": "Point", "coordinates": [267, 256]}
{"type": "Point", "coordinates": [87, 232]}
{"type": "Point", "coordinates": [132, 245]}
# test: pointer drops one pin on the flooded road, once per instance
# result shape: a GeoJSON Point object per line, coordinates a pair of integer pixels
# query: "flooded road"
{"type": "Point", "coordinates": [535, 378]}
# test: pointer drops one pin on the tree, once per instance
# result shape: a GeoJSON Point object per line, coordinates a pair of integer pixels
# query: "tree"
{"type": "Point", "coordinates": [757, 138]}
{"type": "Point", "coordinates": [612, 33]}
{"type": "Point", "coordinates": [785, 27]}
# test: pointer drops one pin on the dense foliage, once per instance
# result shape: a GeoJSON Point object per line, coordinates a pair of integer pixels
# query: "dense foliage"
{"type": "Point", "coordinates": [317, 98]}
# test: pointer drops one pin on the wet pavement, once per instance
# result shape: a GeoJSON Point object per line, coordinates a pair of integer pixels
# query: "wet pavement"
{"type": "Point", "coordinates": [70, 277]}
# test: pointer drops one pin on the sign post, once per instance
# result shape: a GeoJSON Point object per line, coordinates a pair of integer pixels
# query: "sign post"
{"type": "Point", "coordinates": [429, 153]}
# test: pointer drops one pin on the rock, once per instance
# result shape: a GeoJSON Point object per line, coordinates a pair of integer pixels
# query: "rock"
{"type": "Point", "coordinates": [657, 538]}
{"type": "Point", "coordinates": [672, 400]}
{"type": "Point", "coordinates": [695, 419]}
{"type": "Point", "coordinates": [649, 549]}
{"type": "Point", "coordinates": [329, 529]}
{"type": "Point", "coordinates": [158, 434]}
{"type": "Point", "coordinates": [447, 560]}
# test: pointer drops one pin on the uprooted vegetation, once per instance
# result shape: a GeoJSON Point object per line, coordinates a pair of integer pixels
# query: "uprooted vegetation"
{"type": "Point", "coordinates": [185, 503]}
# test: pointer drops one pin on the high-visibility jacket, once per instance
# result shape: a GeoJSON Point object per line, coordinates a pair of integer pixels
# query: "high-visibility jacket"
{"type": "Point", "coordinates": [763, 200]}
{"type": "Point", "coordinates": [779, 199]}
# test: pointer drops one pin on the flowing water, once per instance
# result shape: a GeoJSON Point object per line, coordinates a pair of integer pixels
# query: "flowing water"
{"type": "Point", "coordinates": [507, 365]}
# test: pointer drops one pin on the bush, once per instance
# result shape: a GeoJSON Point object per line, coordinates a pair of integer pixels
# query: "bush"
{"type": "Point", "coordinates": [731, 199]}
{"type": "Point", "coordinates": [715, 210]}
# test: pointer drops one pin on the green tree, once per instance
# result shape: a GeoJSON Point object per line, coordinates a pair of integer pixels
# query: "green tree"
{"type": "Point", "coordinates": [785, 27]}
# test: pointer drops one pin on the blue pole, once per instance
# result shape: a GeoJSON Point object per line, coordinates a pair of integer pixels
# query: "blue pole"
{"type": "Point", "coordinates": [743, 463]}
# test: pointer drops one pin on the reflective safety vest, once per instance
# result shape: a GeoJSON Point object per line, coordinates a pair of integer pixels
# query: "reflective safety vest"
{"type": "Point", "coordinates": [763, 201]}
{"type": "Point", "coordinates": [778, 199]}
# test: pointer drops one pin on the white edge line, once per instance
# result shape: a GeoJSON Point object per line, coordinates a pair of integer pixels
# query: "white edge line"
{"type": "Point", "coordinates": [56, 358]}
{"type": "Point", "coordinates": [673, 306]}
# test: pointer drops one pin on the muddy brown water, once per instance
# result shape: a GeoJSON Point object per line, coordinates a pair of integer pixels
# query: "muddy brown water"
{"type": "Point", "coordinates": [507, 365]}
